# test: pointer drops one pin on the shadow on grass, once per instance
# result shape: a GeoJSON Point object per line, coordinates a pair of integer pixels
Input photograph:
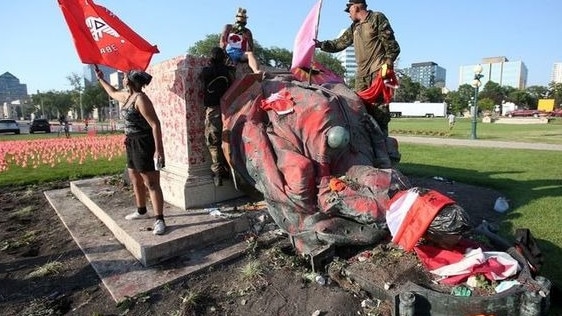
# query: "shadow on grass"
{"type": "Point", "coordinates": [519, 191]}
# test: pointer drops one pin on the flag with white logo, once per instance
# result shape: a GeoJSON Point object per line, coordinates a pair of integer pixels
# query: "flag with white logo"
{"type": "Point", "coordinates": [100, 37]}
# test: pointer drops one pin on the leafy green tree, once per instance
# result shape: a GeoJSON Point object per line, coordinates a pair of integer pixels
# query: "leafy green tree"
{"type": "Point", "coordinates": [330, 62]}
{"type": "Point", "coordinates": [459, 101]}
{"type": "Point", "coordinates": [203, 47]}
{"type": "Point", "coordinates": [493, 94]}
{"type": "Point", "coordinates": [278, 57]}
{"type": "Point", "coordinates": [77, 83]}
{"type": "Point", "coordinates": [486, 104]}
{"type": "Point", "coordinates": [274, 56]}
{"type": "Point", "coordinates": [94, 97]}
{"type": "Point", "coordinates": [538, 92]}
{"type": "Point", "coordinates": [522, 98]}
{"type": "Point", "coordinates": [555, 90]}
{"type": "Point", "coordinates": [454, 102]}
{"type": "Point", "coordinates": [467, 93]}
{"type": "Point", "coordinates": [52, 103]}
{"type": "Point", "coordinates": [26, 108]}
{"type": "Point", "coordinates": [507, 91]}
{"type": "Point", "coordinates": [494, 91]}
{"type": "Point", "coordinates": [432, 95]}
{"type": "Point", "coordinates": [408, 91]}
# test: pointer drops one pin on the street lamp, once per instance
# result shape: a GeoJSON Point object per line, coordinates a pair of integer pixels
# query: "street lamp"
{"type": "Point", "coordinates": [476, 84]}
{"type": "Point", "coordinates": [81, 108]}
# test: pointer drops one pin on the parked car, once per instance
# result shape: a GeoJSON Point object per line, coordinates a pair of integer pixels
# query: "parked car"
{"type": "Point", "coordinates": [523, 112]}
{"type": "Point", "coordinates": [40, 125]}
{"type": "Point", "coordinates": [9, 126]}
{"type": "Point", "coordinates": [556, 113]}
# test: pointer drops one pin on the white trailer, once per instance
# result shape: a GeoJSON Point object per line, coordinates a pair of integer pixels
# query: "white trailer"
{"type": "Point", "coordinates": [418, 109]}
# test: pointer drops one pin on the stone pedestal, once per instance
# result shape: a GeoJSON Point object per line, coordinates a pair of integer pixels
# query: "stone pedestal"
{"type": "Point", "coordinates": [177, 95]}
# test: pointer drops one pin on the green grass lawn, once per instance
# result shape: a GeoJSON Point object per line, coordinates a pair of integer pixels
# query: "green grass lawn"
{"type": "Point", "coordinates": [550, 133]}
{"type": "Point", "coordinates": [532, 180]}
{"type": "Point", "coordinates": [27, 176]}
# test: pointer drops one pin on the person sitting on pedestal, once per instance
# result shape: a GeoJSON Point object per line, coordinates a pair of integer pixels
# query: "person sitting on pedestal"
{"type": "Point", "coordinates": [238, 43]}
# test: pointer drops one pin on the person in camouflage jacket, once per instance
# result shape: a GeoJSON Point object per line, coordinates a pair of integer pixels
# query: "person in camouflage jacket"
{"type": "Point", "coordinates": [375, 45]}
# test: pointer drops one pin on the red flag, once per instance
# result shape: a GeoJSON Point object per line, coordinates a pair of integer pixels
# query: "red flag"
{"type": "Point", "coordinates": [102, 38]}
{"type": "Point", "coordinates": [380, 89]}
{"type": "Point", "coordinates": [303, 67]}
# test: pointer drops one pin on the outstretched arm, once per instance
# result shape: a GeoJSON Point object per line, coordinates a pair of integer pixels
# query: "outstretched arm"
{"type": "Point", "coordinates": [115, 94]}
{"type": "Point", "coordinates": [339, 44]}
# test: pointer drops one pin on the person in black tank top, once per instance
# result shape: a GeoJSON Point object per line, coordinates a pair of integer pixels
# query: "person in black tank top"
{"type": "Point", "coordinates": [143, 142]}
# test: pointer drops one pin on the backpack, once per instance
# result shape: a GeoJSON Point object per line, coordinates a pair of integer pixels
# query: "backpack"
{"type": "Point", "coordinates": [217, 80]}
{"type": "Point", "coordinates": [527, 246]}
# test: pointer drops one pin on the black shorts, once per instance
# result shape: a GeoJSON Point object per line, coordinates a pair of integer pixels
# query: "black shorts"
{"type": "Point", "coordinates": [140, 152]}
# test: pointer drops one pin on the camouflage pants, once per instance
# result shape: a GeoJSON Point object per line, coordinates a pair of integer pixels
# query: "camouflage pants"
{"type": "Point", "coordinates": [213, 139]}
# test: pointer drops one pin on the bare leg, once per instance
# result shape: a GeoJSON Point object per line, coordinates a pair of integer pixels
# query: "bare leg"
{"type": "Point", "coordinates": [138, 188]}
{"type": "Point", "coordinates": [152, 182]}
{"type": "Point", "coordinates": [252, 61]}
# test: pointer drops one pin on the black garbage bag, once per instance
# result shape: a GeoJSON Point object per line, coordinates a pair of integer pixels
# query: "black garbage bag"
{"type": "Point", "coordinates": [451, 220]}
{"type": "Point", "coordinates": [448, 227]}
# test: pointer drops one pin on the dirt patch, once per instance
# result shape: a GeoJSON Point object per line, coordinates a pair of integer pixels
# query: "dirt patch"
{"type": "Point", "coordinates": [268, 280]}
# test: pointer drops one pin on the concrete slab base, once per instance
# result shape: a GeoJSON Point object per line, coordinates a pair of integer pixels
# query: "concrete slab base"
{"type": "Point", "coordinates": [122, 273]}
{"type": "Point", "coordinates": [186, 229]}
{"type": "Point", "coordinates": [521, 120]}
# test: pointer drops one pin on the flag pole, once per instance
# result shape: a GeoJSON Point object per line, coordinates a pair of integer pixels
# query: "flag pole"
{"type": "Point", "coordinates": [315, 38]}
{"type": "Point", "coordinates": [317, 23]}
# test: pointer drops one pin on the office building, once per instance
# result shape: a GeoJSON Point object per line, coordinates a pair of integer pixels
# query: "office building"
{"type": "Point", "coordinates": [347, 60]}
{"type": "Point", "coordinates": [499, 70]}
{"type": "Point", "coordinates": [428, 74]}
{"type": "Point", "coordinates": [90, 74]}
{"type": "Point", "coordinates": [556, 76]}
{"type": "Point", "coordinates": [11, 89]}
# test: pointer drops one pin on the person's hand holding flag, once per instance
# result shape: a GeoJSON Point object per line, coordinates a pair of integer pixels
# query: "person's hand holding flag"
{"type": "Point", "coordinates": [303, 66]}
{"type": "Point", "coordinates": [317, 43]}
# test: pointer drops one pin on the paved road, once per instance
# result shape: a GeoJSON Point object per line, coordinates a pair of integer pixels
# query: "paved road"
{"type": "Point", "coordinates": [476, 143]}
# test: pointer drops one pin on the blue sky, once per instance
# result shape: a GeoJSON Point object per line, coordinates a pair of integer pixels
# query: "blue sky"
{"type": "Point", "coordinates": [37, 48]}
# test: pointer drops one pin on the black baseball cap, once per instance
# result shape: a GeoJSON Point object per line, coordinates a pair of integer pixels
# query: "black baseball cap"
{"type": "Point", "coordinates": [352, 2]}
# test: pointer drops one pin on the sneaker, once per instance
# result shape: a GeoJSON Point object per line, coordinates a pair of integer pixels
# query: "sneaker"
{"type": "Point", "coordinates": [159, 227]}
{"type": "Point", "coordinates": [137, 215]}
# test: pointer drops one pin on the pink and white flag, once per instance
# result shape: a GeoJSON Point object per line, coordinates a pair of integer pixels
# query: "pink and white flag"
{"type": "Point", "coordinates": [303, 47]}
{"type": "Point", "coordinates": [303, 66]}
